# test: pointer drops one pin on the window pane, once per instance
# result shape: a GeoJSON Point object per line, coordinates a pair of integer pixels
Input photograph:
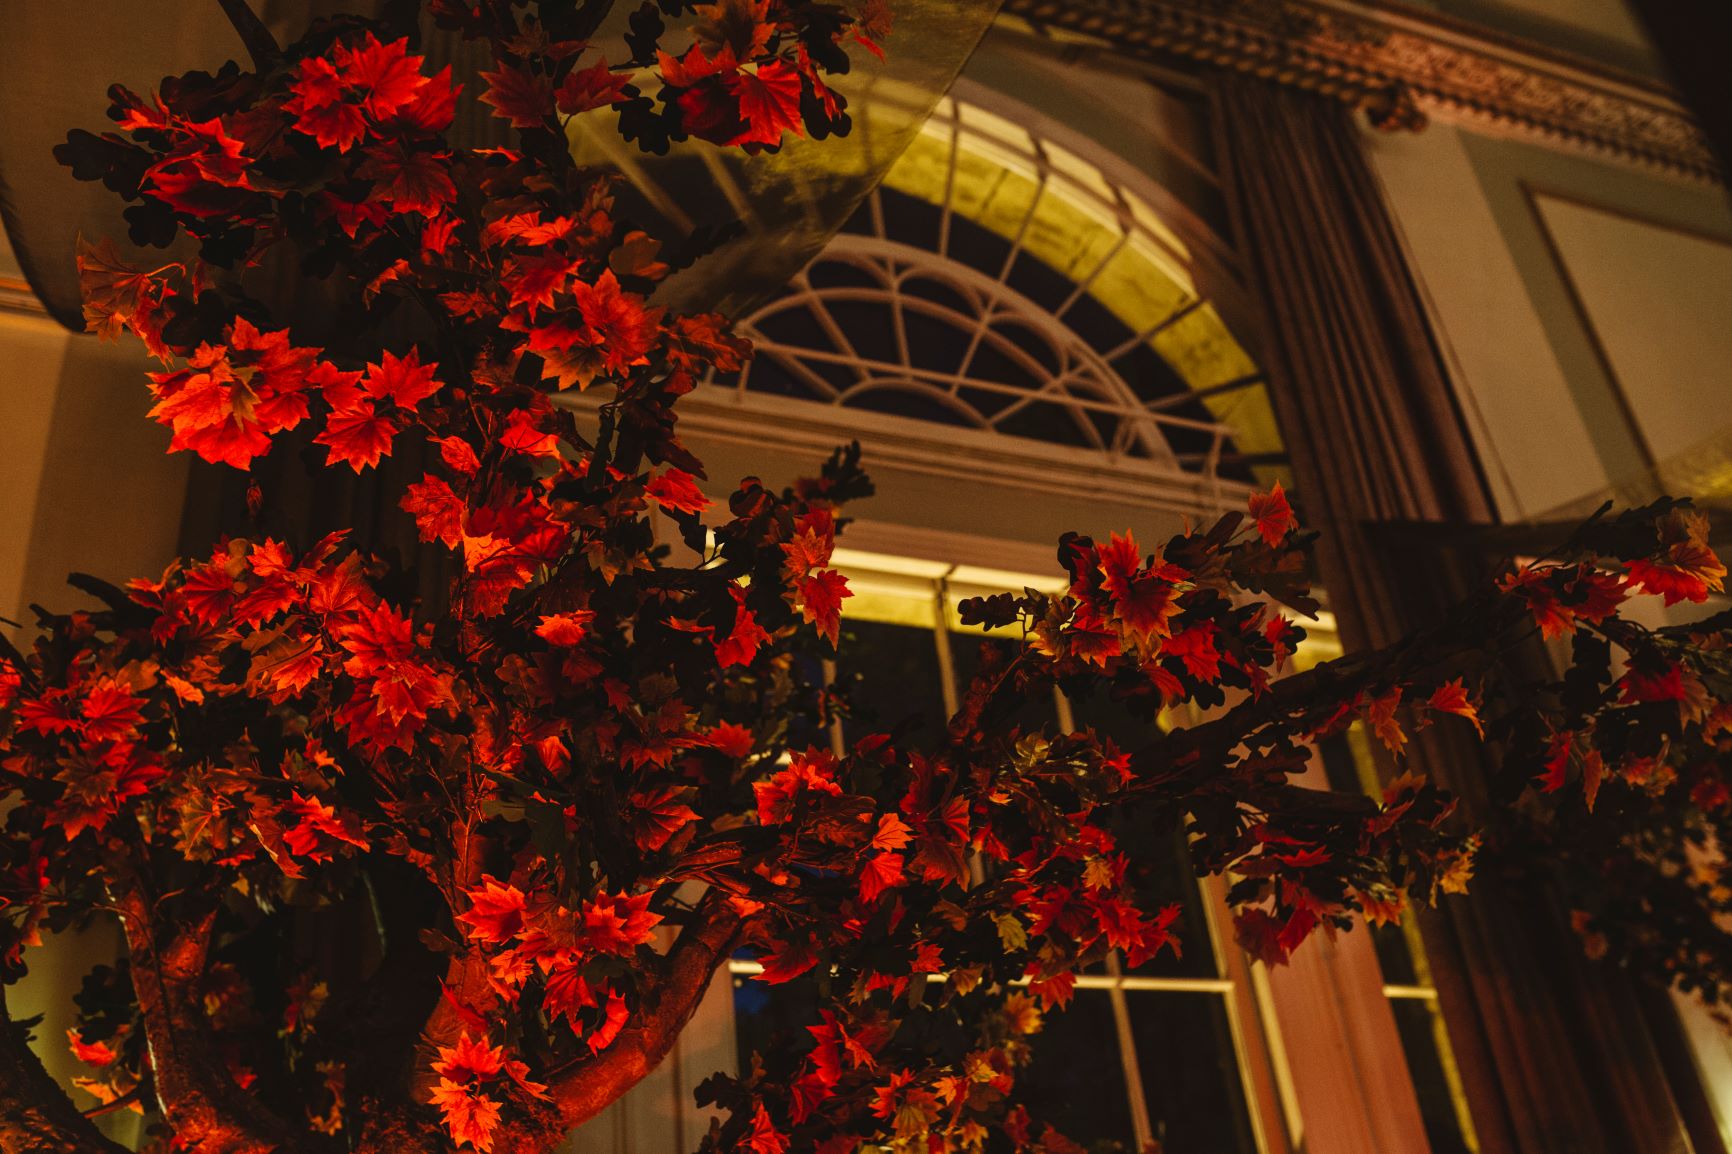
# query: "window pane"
{"type": "Point", "coordinates": [805, 728]}
{"type": "Point", "coordinates": [1162, 874]}
{"type": "Point", "coordinates": [1416, 1019]}
{"type": "Point", "coordinates": [1394, 957]}
{"type": "Point", "coordinates": [1191, 1080]}
{"type": "Point", "coordinates": [892, 679]}
{"type": "Point", "coordinates": [965, 653]}
{"type": "Point", "coordinates": [773, 1019]}
{"type": "Point", "coordinates": [1115, 720]}
{"type": "Point", "coordinates": [1340, 766]}
{"type": "Point", "coordinates": [1076, 1081]}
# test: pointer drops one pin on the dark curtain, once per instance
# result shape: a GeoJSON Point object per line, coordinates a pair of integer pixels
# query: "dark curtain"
{"type": "Point", "coordinates": [1556, 1055]}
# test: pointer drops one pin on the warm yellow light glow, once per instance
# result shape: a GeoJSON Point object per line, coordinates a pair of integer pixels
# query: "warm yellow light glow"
{"type": "Point", "coordinates": [1063, 211]}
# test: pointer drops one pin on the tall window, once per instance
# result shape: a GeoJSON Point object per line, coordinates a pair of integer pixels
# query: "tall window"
{"type": "Point", "coordinates": [1177, 1050]}
{"type": "Point", "coordinates": [1407, 982]}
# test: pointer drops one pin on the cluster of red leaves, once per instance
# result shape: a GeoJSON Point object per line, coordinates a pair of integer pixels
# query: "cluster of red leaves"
{"type": "Point", "coordinates": [576, 775]}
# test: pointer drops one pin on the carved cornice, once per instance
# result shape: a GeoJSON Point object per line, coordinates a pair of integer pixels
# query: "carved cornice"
{"type": "Point", "coordinates": [1400, 66]}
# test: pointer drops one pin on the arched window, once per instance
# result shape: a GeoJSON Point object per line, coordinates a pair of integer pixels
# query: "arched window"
{"type": "Point", "coordinates": [1017, 308]}
{"type": "Point", "coordinates": [1026, 306]}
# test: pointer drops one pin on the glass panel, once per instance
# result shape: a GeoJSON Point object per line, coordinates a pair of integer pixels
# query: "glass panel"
{"type": "Point", "coordinates": [965, 652]}
{"type": "Point", "coordinates": [892, 680]}
{"type": "Point", "coordinates": [1161, 866]}
{"type": "Point", "coordinates": [768, 1018]}
{"type": "Point", "coordinates": [1077, 1080]}
{"type": "Point", "coordinates": [1191, 1080]}
{"type": "Point", "coordinates": [1166, 879]}
{"type": "Point", "coordinates": [1394, 957]}
{"type": "Point", "coordinates": [1340, 765]}
{"type": "Point", "coordinates": [804, 727]}
{"type": "Point", "coordinates": [1427, 1061]}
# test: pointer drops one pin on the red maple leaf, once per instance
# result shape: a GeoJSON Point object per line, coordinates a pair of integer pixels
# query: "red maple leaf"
{"type": "Point", "coordinates": [384, 76]}
{"type": "Point", "coordinates": [618, 322]}
{"type": "Point", "coordinates": [438, 511]}
{"type": "Point", "coordinates": [320, 110]}
{"type": "Point", "coordinates": [777, 796]}
{"type": "Point", "coordinates": [359, 437]}
{"type": "Point", "coordinates": [333, 97]}
{"type": "Point", "coordinates": [209, 590]}
{"type": "Point", "coordinates": [318, 828]}
{"type": "Point", "coordinates": [1380, 715]}
{"type": "Point", "coordinates": [230, 399]}
{"type": "Point", "coordinates": [470, 1115]}
{"type": "Point", "coordinates": [787, 962]}
{"type": "Point", "coordinates": [565, 629]}
{"type": "Point", "coordinates": [459, 456]}
{"type": "Point", "coordinates": [764, 1138]}
{"type": "Point", "coordinates": [592, 87]}
{"type": "Point", "coordinates": [769, 101]}
{"type": "Point", "coordinates": [695, 67]}
{"type": "Point", "coordinates": [1272, 514]}
{"type": "Point", "coordinates": [618, 924]}
{"type": "Point", "coordinates": [1649, 685]}
{"type": "Point", "coordinates": [431, 110]}
{"type": "Point", "coordinates": [110, 711]}
{"type": "Point", "coordinates": [1688, 570]}
{"type": "Point", "coordinates": [881, 872]}
{"type": "Point", "coordinates": [741, 644]}
{"type": "Point", "coordinates": [677, 490]}
{"type": "Point", "coordinates": [496, 911]}
{"type": "Point", "coordinates": [533, 281]}
{"type": "Point", "coordinates": [204, 175]}
{"type": "Point", "coordinates": [405, 381]}
{"type": "Point", "coordinates": [821, 602]}
{"type": "Point", "coordinates": [731, 740]}
{"type": "Point", "coordinates": [565, 994]}
{"type": "Point", "coordinates": [1451, 697]}
{"type": "Point", "coordinates": [90, 1053]}
{"type": "Point", "coordinates": [525, 99]}
{"type": "Point", "coordinates": [893, 833]}
{"type": "Point", "coordinates": [523, 434]}
{"type": "Point", "coordinates": [1556, 762]}
{"type": "Point", "coordinates": [1144, 598]}
{"type": "Point", "coordinates": [1195, 647]}
{"type": "Point", "coordinates": [117, 294]}
{"type": "Point", "coordinates": [657, 815]}
{"type": "Point", "coordinates": [411, 179]}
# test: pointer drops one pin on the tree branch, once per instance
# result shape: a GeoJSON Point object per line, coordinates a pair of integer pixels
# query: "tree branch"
{"type": "Point", "coordinates": [193, 1082]}
{"type": "Point", "coordinates": [684, 977]}
{"type": "Point", "coordinates": [1201, 748]}
{"type": "Point", "coordinates": [36, 1116]}
{"type": "Point", "coordinates": [255, 37]}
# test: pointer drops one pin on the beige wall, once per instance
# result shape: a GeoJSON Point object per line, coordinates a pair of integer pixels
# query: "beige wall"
{"type": "Point", "coordinates": [85, 484]}
{"type": "Point", "coordinates": [88, 482]}
{"type": "Point", "coordinates": [1579, 301]}
{"type": "Point", "coordinates": [1654, 300]}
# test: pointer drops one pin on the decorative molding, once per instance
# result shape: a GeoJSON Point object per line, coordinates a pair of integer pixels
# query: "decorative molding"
{"type": "Point", "coordinates": [15, 296]}
{"type": "Point", "coordinates": [804, 431]}
{"type": "Point", "coordinates": [1401, 66]}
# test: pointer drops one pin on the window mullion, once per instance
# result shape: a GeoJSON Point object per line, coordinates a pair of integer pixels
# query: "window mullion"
{"type": "Point", "coordinates": [1142, 1130]}
{"type": "Point", "coordinates": [941, 639]}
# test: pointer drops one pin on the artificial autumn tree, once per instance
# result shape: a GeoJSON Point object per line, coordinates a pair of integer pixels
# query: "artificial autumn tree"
{"type": "Point", "coordinates": [408, 876]}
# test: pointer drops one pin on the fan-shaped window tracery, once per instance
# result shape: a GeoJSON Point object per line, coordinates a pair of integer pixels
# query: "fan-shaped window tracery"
{"type": "Point", "coordinates": [999, 283]}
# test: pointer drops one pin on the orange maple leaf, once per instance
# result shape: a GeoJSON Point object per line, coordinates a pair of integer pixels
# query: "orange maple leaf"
{"type": "Point", "coordinates": [1273, 515]}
